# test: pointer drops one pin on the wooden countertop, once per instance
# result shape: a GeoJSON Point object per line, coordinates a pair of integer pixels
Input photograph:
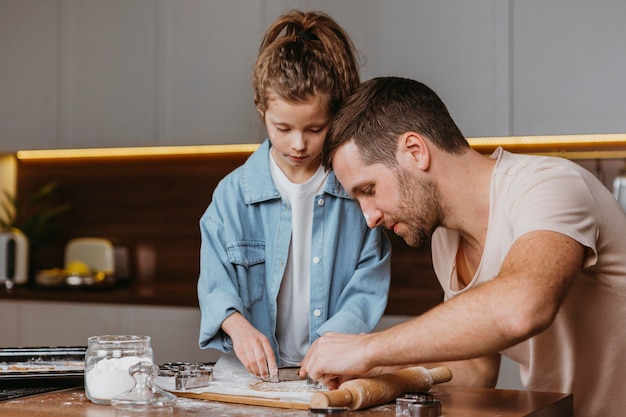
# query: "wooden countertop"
{"type": "Point", "coordinates": [456, 402]}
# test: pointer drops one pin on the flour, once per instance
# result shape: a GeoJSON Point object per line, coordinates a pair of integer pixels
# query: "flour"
{"type": "Point", "coordinates": [109, 377]}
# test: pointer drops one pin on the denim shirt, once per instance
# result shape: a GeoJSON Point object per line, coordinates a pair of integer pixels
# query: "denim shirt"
{"type": "Point", "coordinates": [246, 231]}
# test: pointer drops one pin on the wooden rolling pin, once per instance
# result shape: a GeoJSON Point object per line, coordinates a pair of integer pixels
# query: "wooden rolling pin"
{"type": "Point", "coordinates": [360, 393]}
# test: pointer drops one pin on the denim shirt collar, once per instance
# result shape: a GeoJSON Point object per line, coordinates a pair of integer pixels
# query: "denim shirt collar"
{"type": "Point", "coordinates": [258, 185]}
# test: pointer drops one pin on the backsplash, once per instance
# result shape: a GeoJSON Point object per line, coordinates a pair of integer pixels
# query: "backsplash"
{"type": "Point", "coordinates": [152, 206]}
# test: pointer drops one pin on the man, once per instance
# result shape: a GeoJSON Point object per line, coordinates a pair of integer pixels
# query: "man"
{"type": "Point", "coordinates": [530, 251]}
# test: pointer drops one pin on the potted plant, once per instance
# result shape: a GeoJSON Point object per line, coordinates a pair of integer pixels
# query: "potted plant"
{"type": "Point", "coordinates": [33, 221]}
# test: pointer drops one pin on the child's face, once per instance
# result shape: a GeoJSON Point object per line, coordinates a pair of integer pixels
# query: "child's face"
{"type": "Point", "coordinates": [297, 132]}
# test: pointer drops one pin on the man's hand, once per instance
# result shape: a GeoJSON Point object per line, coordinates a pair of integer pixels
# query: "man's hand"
{"type": "Point", "coordinates": [335, 358]}
{"type": "Point", "coordinates": [252, 347]}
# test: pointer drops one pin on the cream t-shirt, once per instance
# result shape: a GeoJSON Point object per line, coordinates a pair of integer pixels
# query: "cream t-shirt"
{"type": "Point", "coordinates": [584, 350]}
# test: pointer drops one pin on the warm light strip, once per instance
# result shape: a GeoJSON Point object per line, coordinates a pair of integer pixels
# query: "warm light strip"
{"type": "Point", "coordinates": [564, 141]}
{"type": "Point", "coordinates": [604, 145]}
{"type": "Point", "coordinates": [136, 151]}
{"type": "Point", "coordinates": [582, 154]}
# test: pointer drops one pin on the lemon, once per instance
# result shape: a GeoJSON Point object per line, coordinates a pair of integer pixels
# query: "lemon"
{"type": "Point", "coordinates": [78, 268]}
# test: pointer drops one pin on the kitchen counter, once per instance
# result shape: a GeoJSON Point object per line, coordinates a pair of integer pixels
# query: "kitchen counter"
{"type": "Point", "coordinates": [456, 402]}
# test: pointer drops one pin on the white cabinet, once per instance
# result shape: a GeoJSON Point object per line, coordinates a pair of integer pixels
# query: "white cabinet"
{"type": "Point", "coordinates": [206, 50]}
{"type": "Point", "coordinates": [63, 324]}
{"type": "Point", "coordinates": [460, 51]}
{"type": "Point", "coordinates": [173, 330]}
{"type": "Point", "coordinates": [569, 67]}
{"type": "Point", "coordinates": [107, 74]}
{"type": "Point", "coordinates": [152, 72]}
{"type": "Point", "coordinates": [8, 332]}
{"type": "Point", "coordinates": [92, 73]}
{"type": "Point", "coordinates": [28, 74]}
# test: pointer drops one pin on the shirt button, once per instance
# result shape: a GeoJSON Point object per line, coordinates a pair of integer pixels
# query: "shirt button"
{"type": "Point", "coordinates": [317, 313]}
{"type": "Point", "coordinates": [316, 260]}
{"type": "Point", "coordinates": [320, 202]}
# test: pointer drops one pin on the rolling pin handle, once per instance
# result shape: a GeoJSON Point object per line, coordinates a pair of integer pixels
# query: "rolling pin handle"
{"type": "Point", "coordinates": [335, 398]}
{"type": "Point", "coordinates": [441, 374]}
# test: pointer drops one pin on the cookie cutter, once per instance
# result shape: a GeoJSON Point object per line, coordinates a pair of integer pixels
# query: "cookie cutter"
{"type": "Point", "coordinates": [404, 403]}
{"type": "Point", "coordinates": [310, 382]}
{"type": "Point", "coordinates": [188, 375]}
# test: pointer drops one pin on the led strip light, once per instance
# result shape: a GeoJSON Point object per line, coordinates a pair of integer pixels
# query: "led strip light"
{"type": "Point", "coordinates": [592, 146]}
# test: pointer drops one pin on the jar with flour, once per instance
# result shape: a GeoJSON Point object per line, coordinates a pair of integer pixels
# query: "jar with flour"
{"type": "Point", "coordinates": [107, 361]}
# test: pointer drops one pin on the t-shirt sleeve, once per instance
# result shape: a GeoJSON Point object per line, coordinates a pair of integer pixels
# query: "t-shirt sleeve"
{"type": "Point", "coordinates": [556, 200]}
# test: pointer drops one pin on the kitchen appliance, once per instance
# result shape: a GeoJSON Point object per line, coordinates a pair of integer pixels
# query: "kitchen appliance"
{"type": "Point", "coordinates": [90, 262]}
{"type": "Point", "coordinates": [13, 257]}
{"type": "Point", "coordinates": [97, 253]}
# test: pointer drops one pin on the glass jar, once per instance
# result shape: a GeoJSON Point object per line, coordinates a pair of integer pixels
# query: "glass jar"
{"type": "Point", "coordinates": [107, 362]}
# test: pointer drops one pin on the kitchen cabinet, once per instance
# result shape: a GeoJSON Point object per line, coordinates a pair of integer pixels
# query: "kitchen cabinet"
{"type": "Point", "coordinates": [9, 333]}
{"type": "Point", "coordinates": [149, 72]}
{"type": "Point", "coordinates": [174, 330]}
{"type": "Point", "coordinates": [28, 74]}
{"type": "Point", "coordinates": [460, 51]}
{"type": "Point", "coordinates": [568, 67]}
{"type": "Point", "coordinates": [206, 50]}
{"type": "Point", "coordinates": [62, 324]}
{"type": "Point", "coordinates": [88, 73]}
{"type": "Point", "coordinates": [107, 73]}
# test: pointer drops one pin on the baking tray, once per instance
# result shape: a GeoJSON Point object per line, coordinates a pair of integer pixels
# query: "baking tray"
{"type": "Point", "coordinates": [42, 363]}
{"type": "Point", "coordinates": [34, 381]}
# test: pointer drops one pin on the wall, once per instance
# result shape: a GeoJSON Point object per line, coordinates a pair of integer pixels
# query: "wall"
{"type": "Point", "coordinates": [152, 206]}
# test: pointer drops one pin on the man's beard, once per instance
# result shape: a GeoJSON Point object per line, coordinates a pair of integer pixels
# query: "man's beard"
{"type": "Point", "coordinates": [421, 208]}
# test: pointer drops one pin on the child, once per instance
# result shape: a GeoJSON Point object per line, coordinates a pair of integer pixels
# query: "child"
{"type": "Point", "coordinates": [286, 255]}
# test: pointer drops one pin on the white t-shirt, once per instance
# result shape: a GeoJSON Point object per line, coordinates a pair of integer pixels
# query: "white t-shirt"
{"type": "Point", "coordinates": [292, 321]}
{"type": "Point", "coordinates": [584, 350]}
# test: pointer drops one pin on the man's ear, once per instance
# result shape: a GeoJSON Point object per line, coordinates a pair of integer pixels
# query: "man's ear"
{"type": "Point", "coordinates": [413, 150]}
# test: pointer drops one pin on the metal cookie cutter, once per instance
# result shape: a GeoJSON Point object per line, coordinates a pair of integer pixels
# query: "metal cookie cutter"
{"type": "Point", "coordinates": [417, 404]}
{"type": "Point", "coordinates": [310, 382]}
{"type": "Point", "coordinates": [188, 375]}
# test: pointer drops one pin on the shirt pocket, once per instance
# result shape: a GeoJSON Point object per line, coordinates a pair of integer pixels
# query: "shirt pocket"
{"type": "Point", "coordinates": [248, 258]}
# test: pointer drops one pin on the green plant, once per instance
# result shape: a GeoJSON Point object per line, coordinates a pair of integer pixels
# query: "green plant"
{"type": "Point", "coordinates": [36, 217]}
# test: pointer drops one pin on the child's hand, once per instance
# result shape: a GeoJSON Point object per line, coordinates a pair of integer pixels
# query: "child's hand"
{"type": "Point", "coordinates": [252, 348]}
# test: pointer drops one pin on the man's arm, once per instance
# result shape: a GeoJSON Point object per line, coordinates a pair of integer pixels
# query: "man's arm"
{"type": "Point", "coordinates": [478, 372]}
{"type": "Point", "coordinates": [519, 303]}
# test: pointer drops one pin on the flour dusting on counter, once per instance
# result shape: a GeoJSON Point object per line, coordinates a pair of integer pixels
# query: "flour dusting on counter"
{"type": "Point", "coordinates": [230, 377]}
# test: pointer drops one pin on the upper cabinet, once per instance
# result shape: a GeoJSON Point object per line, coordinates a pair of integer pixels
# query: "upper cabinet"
{"type": "Point", "coordinates": [206, 50]}
{"type": "Point", "coordinates": [93, 73]}
{"type": "Point", "coordinates": [569, 66]}
{"type": "Point", "coordinates": [107, 53]}
{"type": "Point", "coordinates": [28, 74]}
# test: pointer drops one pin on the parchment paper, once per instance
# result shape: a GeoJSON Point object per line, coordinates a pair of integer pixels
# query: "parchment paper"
{"type": "Point", "coordinates": [231, 378]}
